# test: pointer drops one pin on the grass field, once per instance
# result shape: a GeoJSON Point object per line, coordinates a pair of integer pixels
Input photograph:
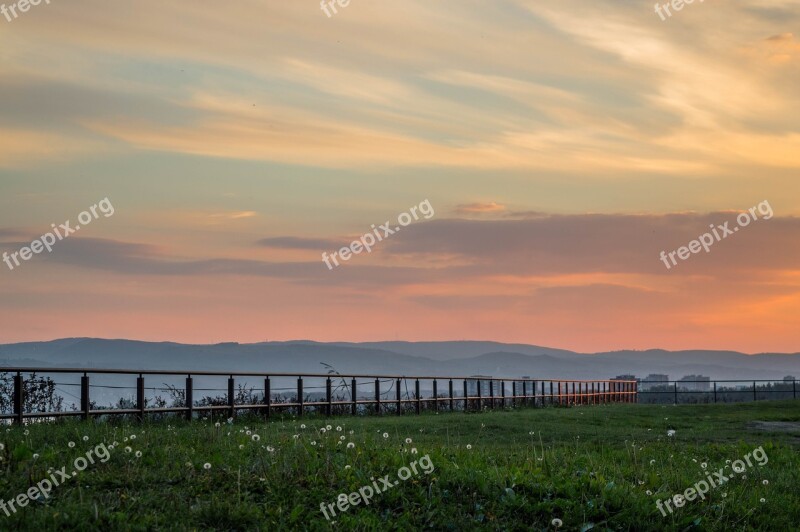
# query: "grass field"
{"type": "Point", "coordinates": [592, 468]}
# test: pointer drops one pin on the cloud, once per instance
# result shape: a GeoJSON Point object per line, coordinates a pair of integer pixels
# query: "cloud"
{"type": "Point", "coordinates": [480, 208]}
{"type": "Point", "coordinates": [294, 242]}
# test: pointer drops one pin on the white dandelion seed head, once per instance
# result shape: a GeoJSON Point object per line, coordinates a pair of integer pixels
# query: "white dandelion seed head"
{"type": "Point", "coordinates": [138, 454]}
{"type": "Point", "coordinates": [649, 492]}
{"type": "Point", "coordinates": [413, 450]}
{"type": "Point", "coordinates": [303, 426]}
{"type": "Point", "coordinates": [763, 500]}
{"type": "Point", "coordinates": [347, 467]}
{"type": "Point", "coordinates": [2, 446]}
{"type": "Point", "coordinates": [128, 449]}
{"type": "Point", "coordinates": [670, 433]}
{"type": "Point", "coordinates": [71, 444]}
{"type": "Point", "coordinates": [217, 424]}
{"type": "Point", "coordinates": [314, 443]}
{"type": "Point", "coordinates": [469, 446]}
{"type": "Point", "coordinates": [323, 430]}
{"type": "Point", "coordinates": [351, 445]}
{"type": "Point", "coordinates": [351, 432]}
{"type": "Point", "coordinates": [133, 437]}
{"type": "Point", "coordinates": [557, 522]}
{"type": "Point", "coordinates": [765, 482]}
{"type": "Point", "coordinates": [26, 432]}
{"type": "Point", "coordinates": [338, 428]}
{"type": "Point", "coordinates": [86, 438]}
{"type": "Point", "coordinates": [341, 438]}
{"type": "Point", "coordinates": [408, 440]}
{"type": "Point", "coordinates": [652, 462]}
{"type": "Point", "coordinates": [704, 465]}
{"type": "Point", "coordinates": [206, 466]}
{"type": "Point", "coordinates": [241, 446]}
{"type": "Point", "coordinates": [385, 435]}
{"type": "Point", "coordinates": [328, 427]}
{"type": "Point", "coordinates": [35, 456]}
{"type": "Point", "coordinates": [255, 437]}
{"type": "Point", "coordinates": [270, 449]}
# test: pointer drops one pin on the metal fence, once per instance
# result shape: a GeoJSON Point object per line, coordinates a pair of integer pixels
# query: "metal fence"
{"type": "Point", "coordinates": [326, 394]}
{"type": "Point", "coordinates": [720, 391]}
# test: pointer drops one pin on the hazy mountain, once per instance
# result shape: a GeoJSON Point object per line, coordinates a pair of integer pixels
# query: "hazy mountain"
{"type": "Point", "coordinates": [396, 358]}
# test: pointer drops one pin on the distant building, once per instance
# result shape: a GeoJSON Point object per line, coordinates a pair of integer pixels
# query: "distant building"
{"type": "Point", "coordinates": [624, 378]}
{"type": "Point", "coordinates": [695, 383]}
{"type": "Point", "coordinates": [789, 378]}
{"type": "Point", "coordinates": [655, 380]}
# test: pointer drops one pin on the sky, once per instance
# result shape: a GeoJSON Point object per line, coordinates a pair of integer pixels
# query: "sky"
{"type": "Point", "coordinates": [561, 147]}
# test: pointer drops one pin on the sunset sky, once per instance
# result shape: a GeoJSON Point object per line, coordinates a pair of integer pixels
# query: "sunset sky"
{"type": "Point", "coordinates": [562, 144]}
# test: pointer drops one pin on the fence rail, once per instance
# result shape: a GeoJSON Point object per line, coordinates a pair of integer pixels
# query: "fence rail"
{"type": "Point", "coordinates": [476, 393]}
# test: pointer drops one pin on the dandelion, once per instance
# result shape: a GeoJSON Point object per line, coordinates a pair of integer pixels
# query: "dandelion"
{"type": "Point", "coordinates": [727, 461]}
{"type": "Point", "coordinates": [531, 433]}
{"type": "Point", "coordinates": [338, 443]}
{"type": "Point", "coordinates": [115, 443]}
{"type": "Point", "coordinates": [670, 433]}
{"type": "Point", "coordinates": [256, 437]}
{"type": "Point", "coordinates": [347, 467]}
{"type": "Point", "coordinates": [557, 522]}
{"type": "Point", "coordinates": [704, 465]}
{"type": "Point", "coordinates": [206, 466]}
{"type": "Point", "coordinates": [2, 446]}
{"type": "Point", "coordinates": [270, 449]}
{"type": "Point", "coordinates": [188, 464]}
{"type": "Point", "coordinates": [413, 450]}
{"type": "Point", "coordinates": [724, 495]}
{"type": "Point", "coordinates": [652, 462]}
{"type": "Point", "coordinates": [385, 435]}
{"type": "Point", "coordinates": [649, 492]}
{"type": "Point", "coordinates": [296, 436]}
{"type": "Point", "coordinates": [230, 422]}
{"type": "Point", "coordinates": [110, 447]}
{"type": "Point", "coordinates": [351, 445]}
{"type": "Point", "coordinates": [138, 454]}
{"type": "Point", "coordinates": [744, 477]}
{"type": "Point", "coordinates": [86, 438]}
{"type": "Point", "coordinates": [26, 432]}
{"type": "Point", "coordinates": [323, 430]}
{"type": "Point", "coordinates": [408, 440]}
{"type": "Point", "coordinates": [338, 428]}
{"type": "Point", "coordinates": [35, 456]}
{"type": "Point", "coordinates": [133, 437]}
{"type": "Point", "coordinates": [328, 427]}
{"type": "Point", "coordinates": [762, 500]}
{"type": "Point", "coordinates": [241, 447]}
{"type": "Point", "coordinates": [125, 439]}
{"type": "Point", "coordinates": [71, 444]}
{"type": "Point", "coordinates": [128, 449]}
{"type": "Point", "coordinates": [303, 426]}
{"type": "Point", "coordinates": [694, 460]}
{"type": "Point", "coordinates": [469, 447]}
{"type": "Point", "coordinates": [217, 424]}
{"type": "Point", "coordinates": [341, 438]}
{"type": "Point", "coordinates": [314, 444]}
{"type": "Point", "coordinates": [249, 432]}
{"type": "Point", "coordinates": [765, 482]}
{"type": "Point", "coordinates": [351, 432]}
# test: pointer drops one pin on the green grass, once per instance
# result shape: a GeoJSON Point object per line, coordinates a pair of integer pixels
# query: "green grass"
{"type": "Point", "coordinates": [591, 467]}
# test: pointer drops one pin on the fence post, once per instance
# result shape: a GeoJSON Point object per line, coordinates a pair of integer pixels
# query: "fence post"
{"type": "Point", "coordinates": [378, 396]}
{"type": "Point", "coordinates": [466, 400]}
{"type": "Point", "coordinates": [480, 402]}
{"type": "Point", "coordinates": [329, 397]}
{"type": "Point", "coordinates": [268, 396]}
{"type": "Point", "coordinates": [85, 396]}
{"type": "Point", "coordinates": [592, 397]}
{"type": "Point", "coordinates": [435, 396]}
{"type": "Point", "coordinates": [491, 394]}
{"type": "Point", "coordinates": [399, 398]}
{"type": "Point", "coordinates": [715, 392]}
{"type": "Point", "coordinates": [676, 392]}
{"type": "Point", "coordinates": [419, 400]}
{"type": "Point", "coordinates": [503, 394]}
{"type": "Point", "coordinates": [794, 388]}
{"type": "Point", "coordinates": [189, 398]}
{"type": "Point", "coordinates": [551, 392]}
{"type": "Point", "coordinates": [754, 391]}
{"type": "Point", "coordinates": [513, 394]}
{"type": "Point", "coordinates": [354, 405]}
{"type": "Point", "coordinates": [140, 403]}
{"type": "Point", "coordinates": [559, 393]}
{"type": "Point", "coordinates": [525, 401]}
{"type": "Point", "coordinates": [300, 396]}
{"type": "Point", "coordinates": [452, 403]}
{"type": "Point", "coordinates": [19, 398]}
{"type": "Point", "coordinates": [231, 410]}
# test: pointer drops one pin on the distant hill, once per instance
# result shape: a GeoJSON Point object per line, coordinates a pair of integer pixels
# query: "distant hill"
{"type": "Point", "coordinates": [401, 358]}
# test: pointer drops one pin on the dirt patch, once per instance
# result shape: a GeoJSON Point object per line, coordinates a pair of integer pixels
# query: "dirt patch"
{"type": "Point", "coordinates": [775, 426]}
